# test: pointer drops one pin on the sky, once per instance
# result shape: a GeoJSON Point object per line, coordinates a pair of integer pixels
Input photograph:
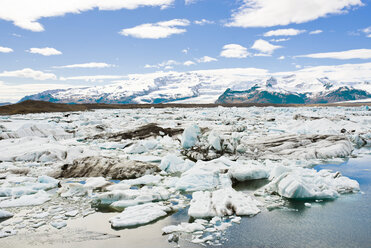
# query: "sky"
{"type": "Point", "coordinates": [49, 44]}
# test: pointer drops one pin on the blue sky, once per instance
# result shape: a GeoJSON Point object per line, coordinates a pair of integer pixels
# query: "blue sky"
{"type": "Point", "coordinates": [31, 31]}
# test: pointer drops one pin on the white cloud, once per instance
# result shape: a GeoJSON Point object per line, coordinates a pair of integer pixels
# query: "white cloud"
{"type": "Point", "coordinates": [269, 13]}
{"type": "Point", "coordinates": [281, 58]}
{"type": "Point", "coordinates": [350, 54]}
{"type": "Point", "coordinates": [318, 31]}
{"type": "Point", "coordinates": [206, 59]}
{"type": "Point", "coordinates": [164, 65]}
{"type": "Point", "coordinates": [46, 51]}
{"type": "Point", "coordinates": [284, 32]}
{"type": "Point", "coordinates": [26, 13]}
{"type": "Point", "coordinates": [262, 55]}
{"type": "Point", "coordinates": [264, 46]}
{"type": "Point", "coordinates": [5, 50]}
{"type": "Point", "coordinates": [369, 36]}
{"type": "Point", "coordinates": [92, 78]}
{"type": "Point", "coordinates": [185, 51]}
{"type": "Point", "coordinates": [187, 2]}
{"type": "Point", "coordinates": [367, 30]}
{"type": "Point", "coordinates": [14, 93]}
{"type": "Point", "coordinates": [157, 30]}
{"type": "Point", "coordinates": [234, 51]}
{"type": "Point", "coordinates": [189, 63]}
{"type": "Point", "coordinates": [203, 22]}
{"type": "Point", "coordinates": [29, 73]}
{"type": "Point", "coordinates": [280, 40]}
{"type": "Point", "coordinates": [86, 65]}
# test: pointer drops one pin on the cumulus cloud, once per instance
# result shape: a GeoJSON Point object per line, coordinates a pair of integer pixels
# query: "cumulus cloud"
{"type": "Point", "coordinates": [203, 22]}
{"type": "Point", "coordinates": [234, 51]}
{"type": "Point", "coordinates": [167, 65]}
{"type": "Point", "coordinates": [29, 73]}
{"type": "Point", "coordinates": [157, 30]}
{"type": "Point", "coordinates": [367, 31]}
{"type": "Point", "coordinates": [189, 63]}
{"type": "Point", "coordinates": [280, 40]}
{"type": "Point", "coordinates": [281, 58]}
{"type": "Point", "coordinates": [284, 32]}
{"type": "Point", "coordinates": [269, 13]}
{"type": "Point", "coordinates": [86, 65]}
{"type": "Point", "coordinates": [264, 47]}
{"type": "Point", "coordinates": [46, 51]}
{"type": "Point", "coordinates": [350, 54]}
{"type": "Point", "coordinates": [26, 14]}
{"type": "Point", "coordinates": [318, 31]}
{"type": "Point", "coordinates": [5, 50]}
{"type": "Point", "coordinates": [92, 78]}
{"type": "Point", "coordinates": [206, 59]}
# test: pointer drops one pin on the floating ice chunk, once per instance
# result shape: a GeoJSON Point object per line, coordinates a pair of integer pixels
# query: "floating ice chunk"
{"type": "Point", "coordinates": [172, 164]}
{"type": "Point", "coordinates": [129, 197]}
{"type": "Point", "coordinates": [72, 213]}
{"type": "Point", "coordinates": [250, 171]}
{"type": "Point", "coordinates": [95, 182]}
{"type": "Point", "coordinates": [39, 130]}
{"type": "Point", "coordinates": [145, 158]}
{"type": "Point", "coordinates": [5, 214]}
{"type": "Point", "coordinates": [307, 204]}
{"type": "Point", "coordinates": [222, 202]}
{"type": "Point", "coordinates": [206, 175]}
{"type": "Point", "coordinates": [26, 200]}
{"type": "Point", "coordinates": [139, 215]}
{"type": "Point", "coordinates": [41, 215]}
{"type": "Point", "coordinates": [301, 183]}
{"type": "Point", "coordinates": [58, 224]}
{"type": "Point", "coordinates": [73, 189]}
{"type": "Point", "coordinates": [36, 149]}
{"type": "Point", "coordinates": [137, 148]}
{"type": "Point", "coordinates": [183, 227]}
{"type": "Point", "coordinates": [215, 141]}
{"type": "Point", "coordinates": [190, 136]}
{"type": "Point", "coordinates": [48, 180]}
{"type": "Point", "coordinates": [144, 180]}
{"type": "Point", "coordinates": [198, 240]}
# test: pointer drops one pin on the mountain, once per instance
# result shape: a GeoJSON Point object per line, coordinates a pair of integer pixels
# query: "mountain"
{"type": "Point", "coordinates": [258, 94]}
{"type": "Point", "coordinates": [222, 86]}
{"type": "Point", "coordinates": [4, 103]}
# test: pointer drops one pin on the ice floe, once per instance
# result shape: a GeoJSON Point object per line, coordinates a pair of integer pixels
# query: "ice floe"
{"type": "Point", "coordinates": [139, 215]}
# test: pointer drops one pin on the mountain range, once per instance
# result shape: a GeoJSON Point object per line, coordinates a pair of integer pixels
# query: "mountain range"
{"type": "Point", "coordinates": [215, 86]}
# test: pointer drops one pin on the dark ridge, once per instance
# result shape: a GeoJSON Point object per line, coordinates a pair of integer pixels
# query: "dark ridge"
{"type": "Point", "coordinates": [31, 106]}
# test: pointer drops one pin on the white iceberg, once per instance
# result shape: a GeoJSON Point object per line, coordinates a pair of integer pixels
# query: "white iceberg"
{"type": "Point", "coordinates": [172, 164]}
{"type": "Point", "coordinates": [26, 200]}
{"type": "Point", "coordinates": [222, 202]}
{"type": "Point", "coordinates": [249, 171]}
{"type": "Point", "coordinates": [301, 183]}
{"type": "Point", "coordinates": [190, 136]}
{"type": "Point", "coordinates": [139, 215]}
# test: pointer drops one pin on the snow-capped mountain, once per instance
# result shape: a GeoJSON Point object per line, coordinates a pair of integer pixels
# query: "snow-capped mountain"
{"type": "Point", "coordinates": [210, 86]}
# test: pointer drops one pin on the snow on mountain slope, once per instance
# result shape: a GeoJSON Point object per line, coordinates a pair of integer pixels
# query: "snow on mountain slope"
{"type": "Point", "coordinates": [206, 86]}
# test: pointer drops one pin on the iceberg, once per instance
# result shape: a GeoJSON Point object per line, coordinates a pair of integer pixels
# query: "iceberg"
{"type": "Point", "coordinates": [190, 136]}
{"type": "Point", "coordinates": [139, 215]}
{"type": "Point", "coordinates": [26, 200]}
{"type": "Point", "coordinates": [222, 202]}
